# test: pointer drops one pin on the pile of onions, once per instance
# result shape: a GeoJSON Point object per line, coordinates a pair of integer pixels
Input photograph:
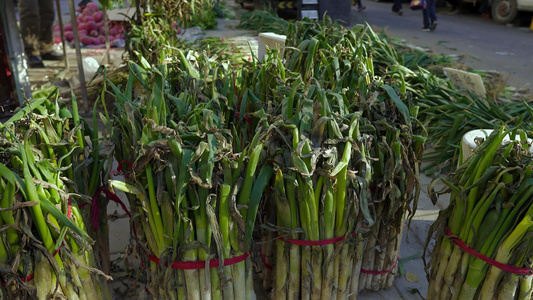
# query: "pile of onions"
{"type": "Point", "coordinates": [91, 28]}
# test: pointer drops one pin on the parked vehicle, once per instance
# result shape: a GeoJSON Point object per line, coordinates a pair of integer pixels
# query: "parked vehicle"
{"type": "Point", "coordinates": [505, 11]}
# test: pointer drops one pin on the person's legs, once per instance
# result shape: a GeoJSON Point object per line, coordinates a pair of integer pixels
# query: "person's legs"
{"type": "Point", "coordinates": [425, 14]}
{"type": "Point", "coordinates": [430, 16]}
{"type": "Point", "coordinates": [47, 17]}
{"type": "Point", "coordinates": [397, 6]}
{"type": "Point", "coordinates": [360, 6]}
{"type": "Point", "coordinates": [432, 11]}
{"type": "Point", "coordinates": [29, 26]}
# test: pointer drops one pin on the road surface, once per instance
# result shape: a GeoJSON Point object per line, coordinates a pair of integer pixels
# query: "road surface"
{"type": "Point", "coordinates": [485, 44]}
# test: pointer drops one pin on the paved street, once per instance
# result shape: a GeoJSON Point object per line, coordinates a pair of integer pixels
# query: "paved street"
{"type": "Point", "coordinates": [485, 44]}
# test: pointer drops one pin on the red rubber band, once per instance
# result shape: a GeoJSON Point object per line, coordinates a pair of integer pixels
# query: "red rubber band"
{"type": "Point", "coordinates": [246, 118]}
{"type": "Point", "coordinates": [316, 243]}
{"type": "Point", "coordinates": [69, 208]}
{"type": "Point", "coordinates": [96, 208]}
{"type": "Point", "coordinates": [507, 268]}
{"type": "Point", "coordinates": [372, 272]}
{"type": "Point", "coordinates": [267, 265]}
{"type": "Point", "coordinates": [200, 264]}
{"type": "Point", "coordinates": [374, 188]}
{"type": "Point", "coordinates": [29, 278]}
{"type": "Point", "coordinates": [119, 169]}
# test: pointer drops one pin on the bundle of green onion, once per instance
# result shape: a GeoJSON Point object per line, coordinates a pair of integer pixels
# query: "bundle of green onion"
{"type": "Point", "coordinates": [45, 247]}
{"type": "Point", "coordinates": [320, 192]}
{"type": "Point", "coordinates": [398, 145]}
{"type": "Point", "coordinates": [195, 198]}
{"type": "Point", "coordinates": [490, 211]}
{"type": "Point", "coordinates": [343, 62]}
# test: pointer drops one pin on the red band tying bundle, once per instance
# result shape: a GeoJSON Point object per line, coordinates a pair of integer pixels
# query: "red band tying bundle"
{"type": "Point", "coordinates": [29, 278]}
{"type": "Point", "coordinates": [316, 243]}
{"type": "Point", "coordinates": [375, 189]}
{"type": "Point", "coordinates": [246, 118]}
{"type": "Point", "coordinates": [119, 169]}
{"type": "Point", "coordinates": [200, 264]}
{"type": "Point", "coordinates": [507, 268]}
{"type": "Point", "coordinates": [69, 208]}
{"type": "Point", "coordinates": [96, 208]}
{"type": "Point", "coordinates": [372, 272]}
{"type": "Point", "coordinates": [267, 265]}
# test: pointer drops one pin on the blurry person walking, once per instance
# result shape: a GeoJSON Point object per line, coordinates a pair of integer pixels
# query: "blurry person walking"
{"type": "Point", "coordinates": [360, 7]}
{"type": "Point", "coordinates": [397, 7]}
{"type": "Point", "coordinates": [36, 21]}
{"type": "Point", "coordinates": [430, 16]}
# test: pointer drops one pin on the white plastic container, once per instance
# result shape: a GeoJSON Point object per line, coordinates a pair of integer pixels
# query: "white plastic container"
{"type": "Point", "coordinates": [468, 143]}
{"type": "Point", "coordinates": [270, 40]}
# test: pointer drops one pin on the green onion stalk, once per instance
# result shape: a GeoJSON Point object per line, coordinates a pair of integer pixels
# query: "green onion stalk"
{"type": "Point", "coordinates": [91, 164]}
{"type": "Point", "coordinates": [45, 242]}
{"type": "Point", "coordinates": [195, 197]}
{"type": "Point", "coordinates": [490, 210]}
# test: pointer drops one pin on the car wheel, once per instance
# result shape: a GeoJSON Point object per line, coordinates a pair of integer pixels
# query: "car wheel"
{"type": "Point", "coordinates": [504, 11]}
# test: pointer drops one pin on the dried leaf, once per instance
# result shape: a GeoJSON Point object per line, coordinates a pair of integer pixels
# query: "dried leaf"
{"type": "Point", "coordinates": [411, 277]}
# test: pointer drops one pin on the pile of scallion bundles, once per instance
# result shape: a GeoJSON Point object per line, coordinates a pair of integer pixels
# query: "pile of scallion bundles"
{"type": "Point", "coordinates": [194, 199]}
{"type": "Point", "coordinates": [45, 247]}
{"type": "Point", "coordinates": [483, 239]}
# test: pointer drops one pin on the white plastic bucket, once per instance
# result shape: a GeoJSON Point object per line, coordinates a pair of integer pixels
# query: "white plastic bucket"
{"type": "Point", "coordinates": [468, 142]}
{"type": "Point", "coordinates": [270, 40]}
